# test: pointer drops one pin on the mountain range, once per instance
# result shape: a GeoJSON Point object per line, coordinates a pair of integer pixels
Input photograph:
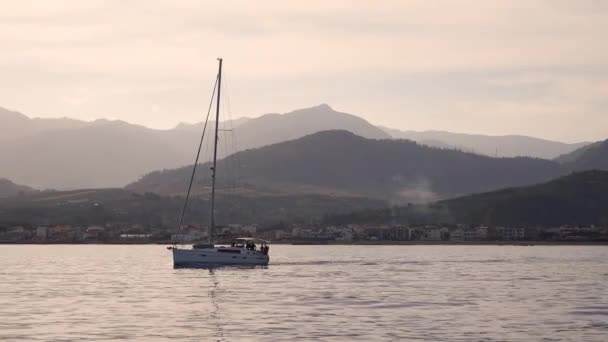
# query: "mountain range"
{"type": "Point", "coordinates": [69, 154]}
{"type": "Point", "coordinates": [494, 146]}
{"type": "Point", "coordinates": [65, 153]}
{"type": "Point", "coordinates": [344, 164]}
{"type": "Point", "coordinates": [340, 162]}
{"type": "Point", "coordinates": [276, 178]}
{"type": "Point", "coordinates": [9, 189]}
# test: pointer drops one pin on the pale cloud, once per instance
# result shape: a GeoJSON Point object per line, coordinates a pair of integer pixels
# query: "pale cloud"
{"type": "Point", "coordinates": [458, 65]}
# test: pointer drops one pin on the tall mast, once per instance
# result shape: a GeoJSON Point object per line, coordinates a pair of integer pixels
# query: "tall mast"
{"type": "Point", "coordinates": [217, 121]}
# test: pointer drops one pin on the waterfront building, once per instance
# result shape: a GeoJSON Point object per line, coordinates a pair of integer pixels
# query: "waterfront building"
{"type": "Point", "coordinates": [456, 235]}
{"type": "Point", "coordinates": [41, 233]}
{"type": "Point", "coordinates": [135, 236]}
{"type": "Point", "coordinates": [481, 233]}
{"type": "Point", "coordinates": [346, 235]}
{"type": "Point", "coordinates": [93, 233]}
{"type": "Point", "coordinates": [470, 235]}
{"type": "Point", "coordinates": [434, 234]}
{"type": "Point", "coordinates": [511, 233]}
{"type": "Point", "coordinates": [16, 233]}
{"type": "Point", "coordinates": [281, 235]}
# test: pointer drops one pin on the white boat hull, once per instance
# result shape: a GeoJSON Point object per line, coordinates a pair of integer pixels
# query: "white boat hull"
{"type": "Point", "coordinates": [217, 256]}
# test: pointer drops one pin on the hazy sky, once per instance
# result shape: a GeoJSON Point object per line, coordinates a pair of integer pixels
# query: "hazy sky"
{"type": "Point", "coordinates": [497, 67]}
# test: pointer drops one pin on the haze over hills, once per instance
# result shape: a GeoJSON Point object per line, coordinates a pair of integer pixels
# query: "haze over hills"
{"type": "Point", "coordinates": [500, 146]}
{"type": "Point", "coordinates": [197, 127]}
{"type": "Point", "coordinates": [69, 154]}
{"type": "Point", "coordinates": [344, 163]}
{"type": "Point", "coordinates": [576, 199]}
{"type": "Point", "coordinates": [16, 125]}
{"type": "Point", "coordinates": [104, 154]}
{"type": "Point", "coordinates": [272, 128]}
{"type": "Point", "coordinates": [9, 189]}
{"type": "Point", "coordinates": [579, 198]}
{"type": "Point", "coordinates": [594, 156]}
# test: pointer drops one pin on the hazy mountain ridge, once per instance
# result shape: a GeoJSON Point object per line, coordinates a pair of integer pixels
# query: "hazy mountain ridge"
{"type": "Point", "coordinates": [15, 125]}
{"type": "Point", "coordinates": [394, 170]}
{"type": "Point", "coordinates": [501, 146]}
{"type": "Point", "coordinates": [273, 128]}
{"type": "Point", "coordinates": [91, 156]}
{"type": "Point", "coordinates": [68, 154]}
{"type": "Point", "coordinates": [593, 156]}
{"type": "Point", "coordinates": [9, 189]}
{"type": "Point", "coordinates": [198, 126]}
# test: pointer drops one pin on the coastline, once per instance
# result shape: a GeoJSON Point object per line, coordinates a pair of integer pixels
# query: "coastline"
{"type": "Point", "coordinates": [340, 243]}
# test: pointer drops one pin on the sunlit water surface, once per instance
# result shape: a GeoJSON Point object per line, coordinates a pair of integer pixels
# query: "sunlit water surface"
{"type": "Point", "coordinates": [348, 293]}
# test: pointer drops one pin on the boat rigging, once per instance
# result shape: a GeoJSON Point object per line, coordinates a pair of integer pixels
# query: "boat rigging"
{"type": "Point", "coordinates": [242, 251]}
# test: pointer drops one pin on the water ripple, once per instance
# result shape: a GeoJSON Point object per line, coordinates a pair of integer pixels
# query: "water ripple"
{"type": "Point", "coordinates": [327, 293]}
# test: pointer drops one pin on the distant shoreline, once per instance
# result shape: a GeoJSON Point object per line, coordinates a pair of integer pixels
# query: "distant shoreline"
{"type": "Point", "coordinates": [341, 243]}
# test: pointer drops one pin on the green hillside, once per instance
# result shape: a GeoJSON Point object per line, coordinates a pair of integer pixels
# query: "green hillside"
{"type": "Point", "coordinates": [576, 199]}
{"type": "Point", "coordinates": [579, 198]}
{"type": "Point", "coordinates": [339, 162]}
{"type": "Point", "coordinates": [118, 206]}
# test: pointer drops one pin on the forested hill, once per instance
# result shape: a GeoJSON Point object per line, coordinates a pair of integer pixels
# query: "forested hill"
{"type": "Point", "coordinates": [594, 156]}
{"type": "Point", "coordinates": [341, 162]}
{"type": "Point", "coordinates": [579, 198]}
{"type": "Point", "coordinates": [576, 199]}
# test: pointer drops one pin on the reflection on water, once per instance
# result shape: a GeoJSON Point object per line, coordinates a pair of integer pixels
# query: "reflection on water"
{"type": "Point", "coordinates": [344, 293]}
{"type": "Point", "coordinates": [214, 315]}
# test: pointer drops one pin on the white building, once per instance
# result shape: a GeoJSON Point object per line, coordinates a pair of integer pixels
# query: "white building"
{"type": "Point", "coordinates": [470, 235]}
{"type": "Point", "coordinates": [433, 234]}
{"type": "Point", "coordinates": [509, 233]}
{"type": "Point", "coordinates": [238, 229]}
{"type": "Point", "coordinates": [190, 237]}
{"type": "Point", "coordinates": [281, 235]}
{"type": "Point", "coordinates": [295, 231]}
{"type": "Point", "coordinates": [482, 233]}
{"type": "Point", "coordinates": [41, 233]}
{"type": "Point", "coordinates": [347, 235]}
{"type": "Point", "coordinates": [456, 235]}
{"type": "Point", "coordinates": [135, 236]}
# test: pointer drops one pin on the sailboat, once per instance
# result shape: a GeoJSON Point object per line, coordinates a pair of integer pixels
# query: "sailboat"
{"type": "Point", "coordinates": [242, 251]}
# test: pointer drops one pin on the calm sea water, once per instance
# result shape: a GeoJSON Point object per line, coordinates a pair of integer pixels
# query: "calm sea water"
{"type": "Point", "coordinates": [346, 293]}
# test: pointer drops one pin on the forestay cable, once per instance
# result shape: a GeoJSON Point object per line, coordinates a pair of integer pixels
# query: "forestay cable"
{"type": "Point", "coordinates": [198, 153]}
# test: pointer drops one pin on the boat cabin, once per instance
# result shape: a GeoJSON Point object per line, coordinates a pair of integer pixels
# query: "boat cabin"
{"type": "Point", "coordinates": [252, 244]}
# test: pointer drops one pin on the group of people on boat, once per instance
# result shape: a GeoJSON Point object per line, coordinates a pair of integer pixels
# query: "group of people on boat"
{"type": "Point", "coordinates": [250, 245]}
{"type": "Point", "coordinates": [263, 248]}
